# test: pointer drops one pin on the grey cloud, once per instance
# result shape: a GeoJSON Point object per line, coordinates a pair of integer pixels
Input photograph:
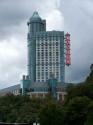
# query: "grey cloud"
{"type": "Point", "coordinates": [78, 19]}
{"type": "Point", "coordinates": [15, 12]}
{"type": "Point", "coordinates": [13, 62]}
{"type": "Point", "coordinates": [14, 15]}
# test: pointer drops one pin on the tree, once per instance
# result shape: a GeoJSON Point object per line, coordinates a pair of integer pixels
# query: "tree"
{"type": "Point", "coordinates": [76, 111]}
{"type": "Point", "coordinates": [89, 120]}
{"type": "Point", "coordinates": [91, 67]}
{"type": "Point", "coordinates": [89, 79]}
{"type": "Point", "coordinates": [51, 114]}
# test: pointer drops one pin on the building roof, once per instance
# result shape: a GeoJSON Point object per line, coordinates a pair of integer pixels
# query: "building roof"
{"type": "Point", "coordinates": [45, 85]}
{"type": "Point", "coordinates": [39, 84]}
{"type": "Point", "coordinates": [35, 17]}
{"type": "Point", "coordinates": [49, 33]}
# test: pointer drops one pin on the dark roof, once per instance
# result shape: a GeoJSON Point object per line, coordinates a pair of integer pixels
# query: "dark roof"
{"type": "Point", "coordinates": [39, 84]}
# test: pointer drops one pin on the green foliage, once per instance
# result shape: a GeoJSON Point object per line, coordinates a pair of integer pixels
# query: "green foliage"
{"type": "Point", "coordinates": [19, 108]}
{"type": "Point", "coordinates": [51, 114]}
{"type": "Point", "coordinates": [79, 102]}
{"type": "Point", "coordinates": [23, 109]}
{"type": "Point", "coordinates": [89, 79]}
{"type": "Point", "coordinates": [77, 109]}
{"type": "Point", "coordinates": [81, 89]}
{"type": "Point", "coordinates": [89, 120]}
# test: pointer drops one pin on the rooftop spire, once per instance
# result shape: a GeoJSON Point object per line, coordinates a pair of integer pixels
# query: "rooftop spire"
{"type": "Point", "coordinates": [35, 16]}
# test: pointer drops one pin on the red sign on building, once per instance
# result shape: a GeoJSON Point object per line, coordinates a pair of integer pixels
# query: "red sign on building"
{"type": "Point", "coordinates": [67, 49]}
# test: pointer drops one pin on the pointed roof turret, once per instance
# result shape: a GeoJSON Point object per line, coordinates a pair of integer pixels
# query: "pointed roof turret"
{"type": "Point", "coordinates": [35, 17]}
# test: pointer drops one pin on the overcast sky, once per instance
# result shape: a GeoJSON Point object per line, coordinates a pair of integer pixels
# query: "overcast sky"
{"type": "Point", "coordinates": [73, 16]}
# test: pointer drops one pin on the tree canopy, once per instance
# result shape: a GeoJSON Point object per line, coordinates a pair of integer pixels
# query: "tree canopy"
{"type": "Point", "coordinates": [76, 110]}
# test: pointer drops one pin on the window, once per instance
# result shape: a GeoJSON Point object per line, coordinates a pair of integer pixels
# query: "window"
{"type": "Point", "coordinates": [46, 73]}
{"type": "Point", "coordinates": [39, 74]}
{"type": "Point", "coordinates": [38, 54]}
{"type": "Point", "coordinates": [50, 54]}
{"type": "Point", "coordinates": [57, 53]}
{"type": "Point", "coordinates": [46, 54]}
{"type": "Point", "coordinates": [56, 43]}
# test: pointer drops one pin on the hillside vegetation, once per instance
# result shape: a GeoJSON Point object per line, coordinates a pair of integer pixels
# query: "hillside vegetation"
{"type": "Point", "coordinates": [76, 110]}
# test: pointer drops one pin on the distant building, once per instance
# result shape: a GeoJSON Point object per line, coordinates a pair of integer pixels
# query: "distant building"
{"type": "Point", "coordinates": [46, 61]}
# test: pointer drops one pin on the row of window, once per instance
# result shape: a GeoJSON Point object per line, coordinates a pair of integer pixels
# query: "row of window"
{"type": "Point", "coordinates": [50, 60]}
{"type": "Point", "coordinates": [48, 70]}
{"type": "Point", "coordinates": [44, 57]}
{"type": "Point", "coordinates": [46, 44]}
{"type": "Point", "coordinates": [47, 54]}
{"type": "Point", "coordinates": [46, 60]}
{"type": "Point", "coordinates": [48, 64]}
{"type": "Point", "coordinates": [40, 56]}
{"type": "Point", "coordinates": [47, 67]}
{"type": "Point", "coordinates": [46, 74]}
{"type": "Point", "coordinates": [50, 67]}
{"type": "Point", "coordinates": [40, 46]}
{"type": "Point", "coordinates": [47, 49]}
{"type": "Point", "coordinates": [45, 38]}
{"type": "Point", "coordinates": [46, 77]}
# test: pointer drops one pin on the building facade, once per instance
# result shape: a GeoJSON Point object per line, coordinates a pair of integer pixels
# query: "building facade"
{"type": "Point", "coordinates": [45, 51]}
{"type": "Point", "coordinates": [46, 61]}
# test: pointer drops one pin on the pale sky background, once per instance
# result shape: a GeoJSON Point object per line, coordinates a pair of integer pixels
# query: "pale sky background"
{"type": "Point", "coordinates": [73, 16]}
